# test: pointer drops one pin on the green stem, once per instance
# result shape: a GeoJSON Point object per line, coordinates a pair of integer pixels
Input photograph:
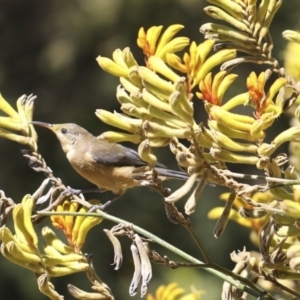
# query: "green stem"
{"type": "Point", "coordinates": [234, 279]}
{"type": "Point", "coordinates": [199, 244]}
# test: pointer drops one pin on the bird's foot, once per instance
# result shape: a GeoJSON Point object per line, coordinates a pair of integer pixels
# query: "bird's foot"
{"type": "Point", "coordinates": [69, 192]}
{"type": "Point", "coordinates": [105, 205]}
{"type": "Point", "coordinates": [102, 207]}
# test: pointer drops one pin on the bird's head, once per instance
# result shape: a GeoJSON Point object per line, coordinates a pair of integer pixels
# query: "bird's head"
{"type": "Point", "coordinates": [69, 134]}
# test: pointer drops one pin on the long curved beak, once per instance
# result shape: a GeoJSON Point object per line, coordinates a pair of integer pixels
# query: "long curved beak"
{"type": "Point", "coordinates": [42, 124]}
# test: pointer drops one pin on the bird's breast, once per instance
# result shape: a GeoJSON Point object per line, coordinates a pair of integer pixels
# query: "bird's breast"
{"type": "Point", "coordinates": [115, 179]}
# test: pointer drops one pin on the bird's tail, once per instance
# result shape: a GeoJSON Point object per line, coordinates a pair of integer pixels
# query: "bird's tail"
{"type": "Point", "coordinates": [171, 174]}
{"type": "Point", "coordinates": [164, 173]}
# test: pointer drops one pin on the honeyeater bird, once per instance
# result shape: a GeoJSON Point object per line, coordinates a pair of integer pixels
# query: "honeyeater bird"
{"type": "Point", "coordinates": [110, 166]}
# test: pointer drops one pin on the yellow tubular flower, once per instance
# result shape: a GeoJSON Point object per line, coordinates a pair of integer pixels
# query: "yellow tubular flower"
{"type": "Point", "coordinates": [17, 120]}
{"type": "Point", "coordinates": [145, 153]}
{"type": "Point", "coordinates": [154, 44]}
{"type": "Point", "coordinates": [198, 58]}
{"type": "Point", "coordinates": [192, 61]}
{"type": "Point", "coordinates": [15, 137]}
{"type": "Point", "coordinates": [277, 86]}
{"type": "Point", "coordinates": [232, 7]}
{"type": "Point", "coordinates": [175, 62]}
{"type": "Point", "coordinates": [22, 248]}
{"type": "Point", "coordinates": [148, 40]}
{"type": "Point", "coordinates": [6, 108]}
{"type": "Point", "coordinates": [273, 6]}
{"type": "Point", "coordinates": [24, 229]}
{"type": "Point", "coordinates": [291, 61]}
{"type": "Point", "coordinates": [257, 94]}
{"type": "Point", "coordinates": [152, 78]}
{"type": "Point", "coordinates": [219, 14]}
{"type": "Point", "coordinates": [47, 288]}
{"type": "Point", "coordinates": [158, 65]}
{"type": "Point", "coordinates": [240, 99]}
{"type": "Point", "coordinates": [255, 87]}
{"type": "Point", "coordinates": [291, 36]}
{"type": "Point", "coordinates": [113, 120]}
{"type": "Point", "coordinates": [222, 140]}
{"type": "Point", "coordinates": [213, 91]}
{"type": "Point", "coordinates": [213, 61]}
{"type": "Point", "coordinates": [87, 224]}
{"type": "Point", "coordinates": [101, 291]}
{"type": "Point", "coordinates": [70, 219]}
{"type": "Point", "coordinates": [239, 122]}
{"type": "Point", "coordinates": [112, 67]}
{"type": "Point", "coordinates": [58, 221]}
{"type": "Point", "coordinates": [266, 110]}
{"type": "Point", "coordinates": [119, 137]}
{"type": "Point", "coordinates": [120, 64]}
{"type": "Point", "coordinates": [75, 228]}
{"type": "Point", "coordinates": [167, 37]}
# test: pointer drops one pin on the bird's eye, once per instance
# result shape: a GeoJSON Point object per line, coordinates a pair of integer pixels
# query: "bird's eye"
{"type": "Point", "coordinates": [63, 130]}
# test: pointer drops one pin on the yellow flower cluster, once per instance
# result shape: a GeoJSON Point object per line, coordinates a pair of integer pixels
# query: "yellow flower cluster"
{"type": "Point", "coordinates": [58, 259]}
{"type": "Point", "coordinates": [21, 248]}
{"type": "Point", "coordinates": [75, 228]}
{"type": "Point", "coordinates": [157, 102]}
{"type": "Point", "coordinates": [249, 25]}
{"type": "Point", "coordinates": [18, 120]}
{"type": "Point", "coordinates": [155, 44]}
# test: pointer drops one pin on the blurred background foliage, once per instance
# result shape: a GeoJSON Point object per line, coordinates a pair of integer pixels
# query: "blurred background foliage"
{"type": "Point", "coordinates": [49, 48]}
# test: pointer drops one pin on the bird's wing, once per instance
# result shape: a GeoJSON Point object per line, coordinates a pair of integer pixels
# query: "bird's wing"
{"type": "Point", "coordinates": [118, 155]}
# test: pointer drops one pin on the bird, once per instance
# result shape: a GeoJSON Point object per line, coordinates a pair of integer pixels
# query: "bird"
{"type": "Point", "coordinates": [110, 166]}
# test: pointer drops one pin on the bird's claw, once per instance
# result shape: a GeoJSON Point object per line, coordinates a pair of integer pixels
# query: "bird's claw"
{"type": "Point", "coordinates": [70, 192]}
{"type": "Point", "coordinates": [93, 208]}
{"type": "Point", "coordinates": [102, 206]}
